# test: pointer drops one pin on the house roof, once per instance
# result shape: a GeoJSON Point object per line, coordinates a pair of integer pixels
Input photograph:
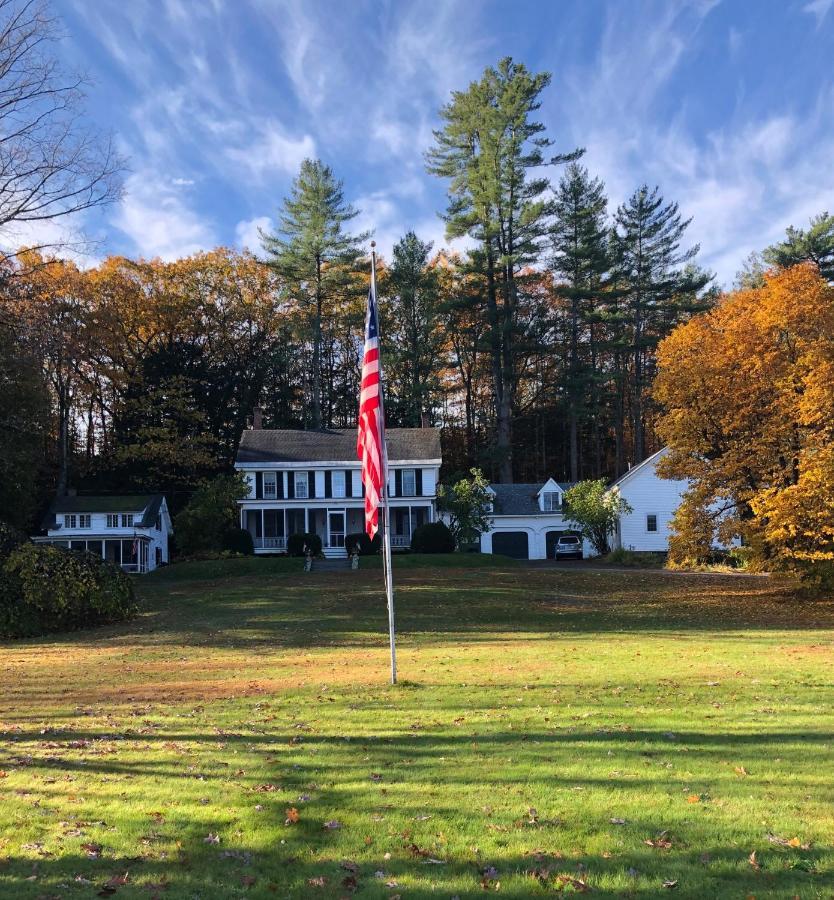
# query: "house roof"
{"type": "Point", "coordinates": [148, 504]}
{"type": "Point", "coordinates": [519, 499]}
{"type": "Point", "coordinates": [649, 460]}
{"type": "Point", "coordinates": [333, 444]}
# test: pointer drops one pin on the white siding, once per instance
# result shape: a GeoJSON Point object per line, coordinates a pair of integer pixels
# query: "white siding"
{"type": "Point", "coordinates": [536, 528]}
{"type": "Point", "coordinates": [648, 494]}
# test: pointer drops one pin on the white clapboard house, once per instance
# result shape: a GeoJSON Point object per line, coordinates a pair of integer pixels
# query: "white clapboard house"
{"type": "Point", "coordinates": [309, 482]}
{"type": "Point", "coordinates": [653, 501]}
{"type": "Point", "coordinates": [130, 531]}
{"type": "Point", "coordinates": [527, 520]}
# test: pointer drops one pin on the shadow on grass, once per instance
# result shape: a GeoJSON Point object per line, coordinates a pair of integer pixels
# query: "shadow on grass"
{"type": "Point", "coordinates": [701, 866]}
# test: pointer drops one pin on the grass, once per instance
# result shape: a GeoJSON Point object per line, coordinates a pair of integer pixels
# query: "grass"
{"type": "Point", "coordinates": [555, 731]}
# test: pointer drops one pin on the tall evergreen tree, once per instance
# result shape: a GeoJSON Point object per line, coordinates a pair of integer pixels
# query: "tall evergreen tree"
{"type": "Point", "coordinates": [486, 148]}
{"type": "Point", "coordinates": [315, 257]}
{"type": "Point", "coordinates": [580, 263]}
{"type": "Point", "coordinates": [815, 245]}
{"type": "Point", "coordinates": [412, 329]}
{"type": "Point", "coordinates": [660, 287]}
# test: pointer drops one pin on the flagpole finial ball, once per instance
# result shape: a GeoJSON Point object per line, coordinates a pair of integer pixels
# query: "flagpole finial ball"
{"type": "Point", "coordinates": [373, 243]}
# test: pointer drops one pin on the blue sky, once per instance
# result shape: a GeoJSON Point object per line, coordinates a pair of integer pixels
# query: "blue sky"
{"type": "Point", "coordinates": [727, 106]}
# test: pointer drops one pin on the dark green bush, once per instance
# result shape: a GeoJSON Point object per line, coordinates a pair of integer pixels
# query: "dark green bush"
{"type": "Point", "coordinates": [239, 540]}
{"type": "Point", "coordinates": [433, 537]}
{"type": "Point", "coordinates": [298, 544]}
{"type": "Point", "coordinates": [49, 589]}
{"type": "Point", "coordinates": [364, 545]}
{"type": "Point", "coordinates": [10, 539]}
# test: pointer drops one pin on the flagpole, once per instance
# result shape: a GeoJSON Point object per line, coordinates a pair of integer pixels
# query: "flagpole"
{"type": "Point", "coordinates": [386, 520]}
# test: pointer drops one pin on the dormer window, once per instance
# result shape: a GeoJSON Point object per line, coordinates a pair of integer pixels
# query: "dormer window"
{"type": "Point", "coordinates": [551, 501]}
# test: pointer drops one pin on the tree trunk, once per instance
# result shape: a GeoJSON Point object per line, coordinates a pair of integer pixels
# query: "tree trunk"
{"type": "Point", "coordinates": [316, 404]}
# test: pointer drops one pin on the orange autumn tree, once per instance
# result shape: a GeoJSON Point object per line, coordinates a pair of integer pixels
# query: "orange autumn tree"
{"type": "Point", "coordinates": [748, 394]}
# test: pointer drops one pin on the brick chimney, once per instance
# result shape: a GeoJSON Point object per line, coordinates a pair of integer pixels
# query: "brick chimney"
{"type": "Point", "coordinates": [257, 419]}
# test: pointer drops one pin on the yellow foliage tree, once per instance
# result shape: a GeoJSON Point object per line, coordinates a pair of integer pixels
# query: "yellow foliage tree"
{"type": "Point", "coordinates": [748, 394]}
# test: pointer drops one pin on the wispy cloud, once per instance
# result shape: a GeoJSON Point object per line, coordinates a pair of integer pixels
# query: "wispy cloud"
{"type": "Point", "coordinates": [248, 233]}
{"type": "Point", "coordinates": [270, 149]}
{"type": "Point", "coordinates": [819, 9]}
{"type": "Point", "coordinates": [155, 218]}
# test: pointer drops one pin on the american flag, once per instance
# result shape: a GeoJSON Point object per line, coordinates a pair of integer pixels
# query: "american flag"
{"type": "Point", "coordinates": [370, 443]}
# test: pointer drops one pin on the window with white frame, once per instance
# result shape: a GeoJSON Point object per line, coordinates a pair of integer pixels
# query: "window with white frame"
{"type": "Point", "coordinates": [301, 485]}
{"type": "Point", "coordinates": [127, 520]}
{"type": "Point", "coordinates": [112, 520]}
{"type": "Point", "coordinates": [69, 521]}
{"type": "Point", "coordinates": [551, 501]}
{"type": "Point", "coordinates": [409, 482]}
{"type": "Point", "coordinates": [651, 522]}
{"type": "Point", "coordinates": [270, 485]}
{"type": "Point", "coordinates": [84, 520]}
{"type": "Point", "coordinates": [337, 483]}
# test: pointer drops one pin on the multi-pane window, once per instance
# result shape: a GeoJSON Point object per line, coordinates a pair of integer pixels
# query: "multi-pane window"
{"type": "Point", "coordinates": [651, 522]}
{"type": "Point", "coordinates": [84, 520]}
{"type": "Point", "coordinates": [301, 485]}
{"type": "Point", "coordinates": [270, 485]}
{"type": "Point", "coordinates": [409, 483]}
{"type": "Point", "coordinates": [551, 501]}
{"type": "Point", "coordinates": [112, 520]}
{"type": "Point", "coordinates": [69, 521]}
{"type": "Point", "coordinates": [337, 482]}
{"type": "Point", "coordinates": [127, 520]}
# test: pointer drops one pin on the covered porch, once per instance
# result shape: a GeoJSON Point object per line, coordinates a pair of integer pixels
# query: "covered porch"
{"type": "Point", "coordinates": [132, 554]}
{"type": "Point", "coordinates": [270, 527]}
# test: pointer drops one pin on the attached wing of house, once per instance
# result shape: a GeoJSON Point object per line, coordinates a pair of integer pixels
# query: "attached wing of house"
{"type": "Point", "coordinates": [653, 501]}
{"type": "Point", "coordinates": [130, 531]}
{"type": "Point", "coordinates": [527, 520]}
{"type": "Point", "coordinates": [309, 482]}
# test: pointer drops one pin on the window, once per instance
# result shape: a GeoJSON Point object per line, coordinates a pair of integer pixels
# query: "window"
{"type": "Point", "coordinates": [337, 483]}
{"type": "Point", "coordinates": [112, 520]}
{"type": "Point", "coordinates": [409, 483]}
{"type": "Point", "coordinates": [127, 520]}
{"type": "Point", "coordinates": [551, 501]}
{"type": "Point", "coordinates": [270, 486]}
{"type": "Point", "coordinates": [84, 520]}
{"type": "Point", "coordinates": [651, 522]}
{"type": "Point", "coordinates": [69, 521]}
{"type": "Point", "coordinates": [301, 485]}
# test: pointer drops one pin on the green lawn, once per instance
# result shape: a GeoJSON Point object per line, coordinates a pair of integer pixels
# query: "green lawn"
{"type": "Point", "coordinates": [555, 731]}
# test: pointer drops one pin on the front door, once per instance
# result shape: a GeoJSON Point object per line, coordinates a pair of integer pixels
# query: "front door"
{"type": "Point", "coordinates": [335, 528]}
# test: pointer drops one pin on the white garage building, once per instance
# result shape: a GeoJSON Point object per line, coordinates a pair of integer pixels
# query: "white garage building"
{"type": "Point", "coordinates": [527, 520]}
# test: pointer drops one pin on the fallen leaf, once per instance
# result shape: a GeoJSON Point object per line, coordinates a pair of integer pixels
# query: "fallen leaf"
{"type": "Point", "coordinates": [617, 821]}
{"type": "Point", "coordinates": [292, 816]}
{"type": "Point", "coordinates": [317, 881]}
{"type": "Point", "coordinates": [332, 825]}
{"type": "Point", "coordinates": [211, 838]}
{"type": "Point", "coordinates": [740, 770]}
{"type": "Point", "coordinates": [753, 861]}
{"type": "Point", "coordinates": [248, 880]}
{"type": "Point", "coordinates": [693, 798]}
{"type": "Point", "coordinates": [577, 884]}
{"type": "Point", "coordinates": [670, 884]}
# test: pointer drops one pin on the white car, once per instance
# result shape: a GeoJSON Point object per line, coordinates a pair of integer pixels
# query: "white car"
{"type": "Point", "coordinates": [569, 546]}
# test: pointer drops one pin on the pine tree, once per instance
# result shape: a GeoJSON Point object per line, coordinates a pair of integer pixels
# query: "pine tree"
{"type": "Point", "coordinates": [580, 263]}
{"type": "Point", "coordinates": [314, 256]}
{"type": "Point", "coordinates": [660, 288]}
{"type": "Point", "coordinates": [814, 245]}
{"type": "Point", "coordinates": [488, 145]}
{"type": "Point", "coordinates": [410, 288]}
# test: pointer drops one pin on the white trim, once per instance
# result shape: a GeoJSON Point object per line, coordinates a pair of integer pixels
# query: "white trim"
{"type": "Point", "coordinates": [265, 465]}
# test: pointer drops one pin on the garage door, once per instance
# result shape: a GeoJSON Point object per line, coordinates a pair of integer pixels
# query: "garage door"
{"type": "Point", "coordinates": [511, 543]}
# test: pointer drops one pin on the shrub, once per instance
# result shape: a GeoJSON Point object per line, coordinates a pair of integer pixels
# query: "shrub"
{"type": "Point", "coordinates": [364, 545]}
{"type": "Point", "coordinates": [433, 537]}
{"type": "Point", "coordinates": [10, 539]}
{"type": "Point", "coordinates": [210, 514]}
{"type": "Point", "coordinates": [50, 589]}
{"type": "Point", "coordinates": [239, 540]}
{"type": "Point", "coordinates": [299, 544]}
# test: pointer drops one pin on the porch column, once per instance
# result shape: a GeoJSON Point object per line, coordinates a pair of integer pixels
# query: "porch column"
{"type": "Point", "coordinates": [263, 533]}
